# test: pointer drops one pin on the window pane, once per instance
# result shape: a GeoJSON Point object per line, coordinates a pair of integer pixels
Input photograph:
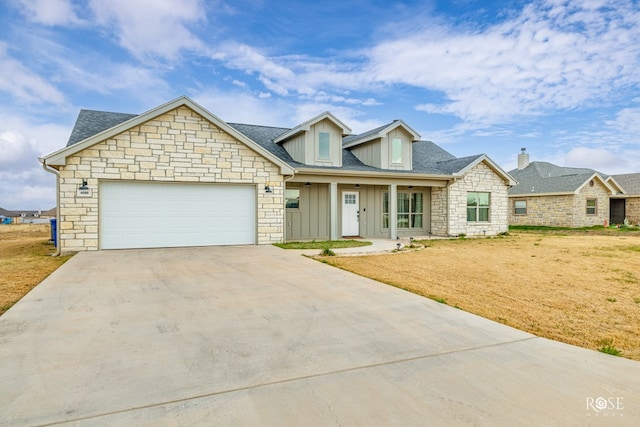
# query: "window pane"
{"type": "Point", "coordinates": [520, 207]}
{"type": "Point", "coordinates": [472, 199]}
{"type": "Point", "coordinates": [483, 214]}
{"type": "Point", "coordinates": [416, 221]}
{"type": "Point", "coordinates": [471, 214]}
{"type": "Point", "coordinates": [323, 145]}
{"type": "Point", "coordinates": [396, 150]}
{"type": "Point", "coordinates": [416, 203]}
{"type": "Point", "coordinates": [403, 220]}
{"type": "Point", "coordinates": [292, 198]}
{"type": "Point", "coordinates": [483, 199]}
{"type": "Point", "coordinates": [403, 202]}
{"type": "Point", "coordinates": [385, 210]}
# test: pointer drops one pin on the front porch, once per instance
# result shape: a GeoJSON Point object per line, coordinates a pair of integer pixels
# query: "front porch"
{"type": "Point", "coordinates": [330, 210]}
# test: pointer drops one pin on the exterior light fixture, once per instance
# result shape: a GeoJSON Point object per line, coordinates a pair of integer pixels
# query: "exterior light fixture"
{"type": "Point", "coordinates": [356, 186]}
{"type": "Point", "coordinates": [307, 184]}
{"type": "Point", "coordinates": [84, 185]}
{"type": "Point", "coordinates": [410, 187]}
{"type": "Point", "coordinates": [267, 188]}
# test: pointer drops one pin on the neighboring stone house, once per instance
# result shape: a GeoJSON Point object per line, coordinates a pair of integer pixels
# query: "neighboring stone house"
{"type": "Point", "coordinates": [558, 196]}
{"type": "Point", "coordinates": [179, 176]}
{"type": "Point", "coordinates": [22, 217]}
{"type": "Point", "coordinates": [627, 205]}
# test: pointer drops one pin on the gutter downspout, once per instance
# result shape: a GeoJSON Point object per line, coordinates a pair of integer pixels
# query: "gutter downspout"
{"type": "Point", "coordinates": [56, 172]}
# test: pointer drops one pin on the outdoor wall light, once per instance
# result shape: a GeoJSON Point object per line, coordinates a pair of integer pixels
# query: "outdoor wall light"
{"type": "Point", "coordinates": [356, 186]}
{"type": "Point", "coordinates": [307, 184]}
{"type": "Point", "coordinates": [84, 185]}
{"type": "Point", "coordinates": [267, 188]}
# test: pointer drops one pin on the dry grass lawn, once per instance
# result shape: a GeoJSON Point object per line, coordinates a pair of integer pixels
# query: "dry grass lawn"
{"type": "Point", "coordinates": [25, 260]}
{"type": "Point", "coordinates": [579, 289]}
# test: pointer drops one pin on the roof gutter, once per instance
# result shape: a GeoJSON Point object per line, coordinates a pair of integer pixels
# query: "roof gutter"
{"type": "Point", "coordinates": [376, 174]}
{"type": "Point", "coordinates": [56, 172]}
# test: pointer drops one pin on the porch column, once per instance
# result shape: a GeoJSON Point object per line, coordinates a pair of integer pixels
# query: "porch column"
{"type": "Point", "coordinates": [393, 211]}
{"type": "Point", "coordinates": [333, 211]}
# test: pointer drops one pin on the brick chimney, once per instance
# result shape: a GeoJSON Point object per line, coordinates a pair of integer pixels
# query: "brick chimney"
{"type": "Point", "coordinates": [523, 159]}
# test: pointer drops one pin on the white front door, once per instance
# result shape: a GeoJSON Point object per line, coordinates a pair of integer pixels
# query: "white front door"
{"type": "Point", "coordinates": [350, 213]}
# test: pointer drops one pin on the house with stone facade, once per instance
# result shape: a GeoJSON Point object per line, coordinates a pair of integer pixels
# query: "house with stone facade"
{"type": "Point", "coordinates": [558, 196]}
{"type": "Point", "coordinates": [627, 202]}
{"type": "Point", "coordinates": [178, 175]}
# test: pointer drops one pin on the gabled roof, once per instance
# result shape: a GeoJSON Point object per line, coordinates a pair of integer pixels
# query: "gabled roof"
{"type": "Point", "coordinates": [629, 182]}
{"type": "Point", "coordinates": [379, 132]}
{"type": "Point", "coordinates": [307, 126]}
{"type": "Point", "coordinates": [18, 213]}
{"type": "Point", "coordinates": [429, 160]}
{"type": "Point", "coordinates": [58, 158]}
{"type": "Point", "coordinates": [546, 178]}
{"type": "Point", "coordinates": [92, 122]}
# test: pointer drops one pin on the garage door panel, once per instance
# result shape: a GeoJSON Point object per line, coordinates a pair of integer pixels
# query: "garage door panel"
{"type": "Point", "coordinates": [147, 215]}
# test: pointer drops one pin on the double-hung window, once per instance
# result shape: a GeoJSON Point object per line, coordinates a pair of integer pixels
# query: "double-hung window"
{"type": "Point", "coordinates": [410, 210]}
{"type": "Point", "coordinates": [478, 204]}
{"type": "Point", "coordinates": [592, 206]}
{"type": "Point", "coordinates": [520, 207]}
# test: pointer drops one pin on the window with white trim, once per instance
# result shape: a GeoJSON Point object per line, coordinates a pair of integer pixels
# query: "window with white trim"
{"type": "Point", "coordinates": [478, 206]}
{"type": "Point", "coordinates": [292, 198]}
{"type": "Point", "coordinates": [324, 143]}
{"type": "Point", "coordinates": [520, 207]}
{"type": "Point", "coordinates": [592, 206]}
{"type": "Point", "coordinates": [410, 210]}
{"type": "Point", "coordinates": [396, 150]}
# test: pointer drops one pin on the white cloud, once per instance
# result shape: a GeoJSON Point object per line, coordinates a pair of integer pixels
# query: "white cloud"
{"type": "Point", "coordinates": [594, 158]}
{"type": "Point", "coordinates": [50, 12]}
{"type": "Point", "coordinates": [552, 56]}
{"type": "Point", "coordinates": [151, 28]}
{"type": "Point", "coordinates": [25, 184]}
{"type": "Point", "coordinates": [23, 84]}
{"type": "Point", "coordinates": [627, 121]}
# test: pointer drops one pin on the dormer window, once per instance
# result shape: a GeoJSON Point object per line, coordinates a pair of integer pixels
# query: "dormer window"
{"type": "Point", "coordinates": [396, 150]}
{"type": "Point", "coordinates": [324, 144]}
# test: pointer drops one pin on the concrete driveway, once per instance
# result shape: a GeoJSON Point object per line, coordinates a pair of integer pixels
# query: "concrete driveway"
{"type": "Point", "coordinates": [260, 336]}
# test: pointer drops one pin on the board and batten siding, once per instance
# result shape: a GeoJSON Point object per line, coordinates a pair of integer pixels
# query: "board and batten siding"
{"type": "Point", "coordinates": [304, 147]}
{"type": "Point", "coordinates": [407, 151]}
{"type": "Point", "coordinates": [369, 153]}
{"type": "Point", "coordinates": [311, 220]}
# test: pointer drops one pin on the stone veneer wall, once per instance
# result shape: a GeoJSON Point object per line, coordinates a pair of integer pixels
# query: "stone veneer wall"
{"type": "Point", "coordinates": [550, 211]}
{"type": "Point", "coordinates": [599, 192]}
{"type": "Point", "coordinates": [179, 146]}
{"type": "Point", "coordinates": [633, 210]}
{"type": "Point", "coordinates": [439, 211]}
{"type": "Point", "coordinates": [563, 210]}
{"type": "Point", "coordinates": [480, 178]}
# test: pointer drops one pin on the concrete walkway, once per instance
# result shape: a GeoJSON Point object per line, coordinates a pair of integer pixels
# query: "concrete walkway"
{"type": "Point", "coordinates": [252, 336]}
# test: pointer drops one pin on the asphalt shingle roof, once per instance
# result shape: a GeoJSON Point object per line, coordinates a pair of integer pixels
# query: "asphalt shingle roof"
{"type": "Point", "coordinates": [630, 182]}
{"type": "Point", "coordinates": [428, 158]}
{"type": "Point", "coordinates": [92, 122]}
{"type": "Point", "coordinates": [544, 177]}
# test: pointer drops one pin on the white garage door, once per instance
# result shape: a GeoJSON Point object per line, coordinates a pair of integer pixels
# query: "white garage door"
{"type": "Point", "coordinates": [154, 215]}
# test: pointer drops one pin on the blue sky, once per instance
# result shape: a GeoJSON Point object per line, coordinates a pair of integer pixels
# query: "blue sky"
{"type": "Point", "coordinates": [558, 77]}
